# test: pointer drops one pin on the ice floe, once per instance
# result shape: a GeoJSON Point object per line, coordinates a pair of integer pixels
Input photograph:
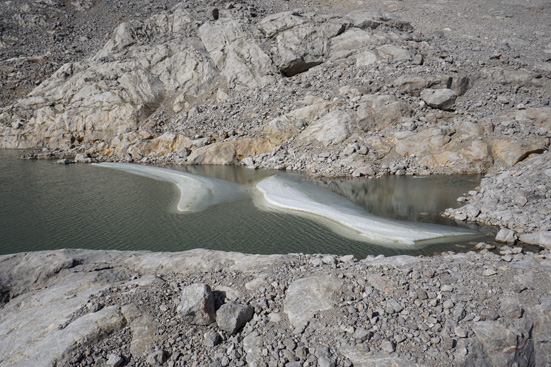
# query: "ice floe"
{"type": "Point", "coordinates": [302, 197]}
{"type": "Point", "coordinates": [196, 192]}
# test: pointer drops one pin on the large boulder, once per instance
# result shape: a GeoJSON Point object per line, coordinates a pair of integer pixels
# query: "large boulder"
{"type": "Point", "coordinates": [443, 99]}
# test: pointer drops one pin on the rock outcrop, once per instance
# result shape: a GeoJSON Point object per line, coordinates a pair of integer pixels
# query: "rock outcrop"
{"type": "Point", "coordinates": [114, 308]}
{"type": "Point", "coordinates": [288, 90]}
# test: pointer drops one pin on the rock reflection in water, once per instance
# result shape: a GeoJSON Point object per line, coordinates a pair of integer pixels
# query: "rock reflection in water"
{"type": "Point", "coordinates": [419, 199]}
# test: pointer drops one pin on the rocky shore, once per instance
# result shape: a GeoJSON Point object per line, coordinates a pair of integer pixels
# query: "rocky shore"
{"type": "Point", "coordinates": [206, 308]}
{"type": "Point", "coordinates": [329, 88]}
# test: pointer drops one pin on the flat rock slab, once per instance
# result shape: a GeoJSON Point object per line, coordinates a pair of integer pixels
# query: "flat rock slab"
{"type": "Point", "coordinates": [307, 296]}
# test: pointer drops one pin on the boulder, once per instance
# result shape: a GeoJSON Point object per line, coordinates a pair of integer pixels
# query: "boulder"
{"type": "Point", "coordinates": [393, 53]}
{"type": "Point", "coordinates": [521, 77]}
{"type": "Point", "coordinates": [511, 151]}
{"type": "Point", "coordinates": [350, 43]}
{"type": "Point", "coordinates": [232, 316]}
{"type": "Point", "coordinates": [443, 99]}
{"type": "Point", "coordinates": [506, 235]}
{"type": "Point", "coordinates": [143, 327]}
{"type": "Point", "coordinates": [508, 345]}
{"type": "Point", "coordinates": [541, 238]}
{"type": "Point", "coordinates": [197, 305]}
{"type": "Point", "coordinates": [236, 54]}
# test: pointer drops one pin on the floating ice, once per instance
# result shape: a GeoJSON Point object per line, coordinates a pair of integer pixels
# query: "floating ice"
{"type": "Point", "coordinates": [296, 195]}
{"type": "Point", "coordinates": [196, 192]}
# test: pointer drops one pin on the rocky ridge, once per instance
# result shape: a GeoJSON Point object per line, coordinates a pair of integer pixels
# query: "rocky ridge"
{"type": "Point", "coordinates": [206, 308]}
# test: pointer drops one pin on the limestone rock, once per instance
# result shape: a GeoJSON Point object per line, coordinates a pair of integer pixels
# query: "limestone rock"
{"type": "Point", "coordinates": [236, 55]}
{"type": "Point", "coordinates": [506, 235]}
{"type": "Point", "coordinates": [306, 296]}
{"type": "Point", "coordinates": [377, 112]}
{"type": "Point", "coordinates": [368, 19]}
{"type": "Point", "coordinates": [332, 128]}
{"type": "Point", "coordinates": [541, 238]}
{"type": "Point", "coordinates": [232, 316]}
{"type": "Point", "coordinates": [143, 328]}
{"type": "Point", "coordinates": [350, 43]}
{"type": "Point", "coordinates": [443, 99]}
{"type": "Point", "coordinates": [512, 151]}
{"type": "Point", "coordinates": [501, 340]}
{"type": "Point", "coordinates": [501, 75]}
{"type": "Point", "coordinates": [197, 304]}
{"type": "Point", "coordinates": [392, 53]}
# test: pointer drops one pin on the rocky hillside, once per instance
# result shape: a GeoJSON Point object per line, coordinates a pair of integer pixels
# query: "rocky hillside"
{"type": "Point", "coordinates": [350, 92]}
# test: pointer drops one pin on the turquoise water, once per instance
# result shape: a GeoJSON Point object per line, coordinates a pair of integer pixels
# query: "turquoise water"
{"type": "Point", "coordinates": [44, 205]}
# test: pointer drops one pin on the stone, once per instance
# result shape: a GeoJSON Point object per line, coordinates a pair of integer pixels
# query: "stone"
{"type": "Point", "coordinates": [512, 151]}
{"type": "Point", "coordinates": [114, 360]}
{"type": "Point", "coordinates": [212, 339]}
{"type": "Point", "coordinates": [306, 296]}
{"type": "Point", "coordinates": [156, 358]}
{"type": "Point", "coordinates": [82, 158]}
{"type": "Point", "coordinates": [511, 307]}
{"type": "Point", "coordinates": [541, 238]}
{"type": "Point", "coordinates": [324, 361]}
{"type": "Point", "coordinates": [388, 346]}
{"type": "Point", "coordinates": [443, 99]}
{"type": "Point", "coordinates": [332, 128]}
{"type": "Point", "coordinates": [143, 328]}
{"type": "Point", "coordinates": [501, 340]}
{"type": "Point", "coordinates": [350, 43]}
{"type": "Point", "coordinates": [506, 236]}
{"type": "Point", "coordinates": [392, 53]}
{"type": "Point", "coordinates": [197, 305]}
{"type": "Point", "coordinates": [412, 85]}
{"type": "Point", "coordinates": [232, 316]}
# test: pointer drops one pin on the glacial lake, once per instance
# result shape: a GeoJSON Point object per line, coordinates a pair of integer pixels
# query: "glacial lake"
{"type": "Point", "coordinates": [46, 206]}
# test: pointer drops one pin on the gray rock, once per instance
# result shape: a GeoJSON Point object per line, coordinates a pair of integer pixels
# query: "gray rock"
{"type": "Point", "coordinates": [388, 346]}
{"type": "Point", "coordinates": [412, 85]}
{"type": "Point", "coordinates": [324, 361]}
{"type": "Point", "coordinates": [114, 360]}
{"type": "Point", "coordinates": [232, 316]}
{"type": "Point", "coordinates": [306, 296]}
{"type": "Point", "coordinates": [541, 238]}
{"type": "Point", "coordinates": [82, 158]}
{"type": "Point", "coordinates": [197, 304]}
{"type": "Point", "coordinates": [156, 358]}
{"type": "Point", "coordinates": [501, 340]}
{"type": "Point", "coordinates": [212, 339]}
{"type": "Point", "coordinates": [506, 236]}
{"type": "Point", "coordinates": [443, 99]}
{"type": "Point", "coordinates": [511, 307]}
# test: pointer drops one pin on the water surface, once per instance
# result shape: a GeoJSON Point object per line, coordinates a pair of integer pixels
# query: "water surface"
{"type": "Point", "coordinates": [44, 205]}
